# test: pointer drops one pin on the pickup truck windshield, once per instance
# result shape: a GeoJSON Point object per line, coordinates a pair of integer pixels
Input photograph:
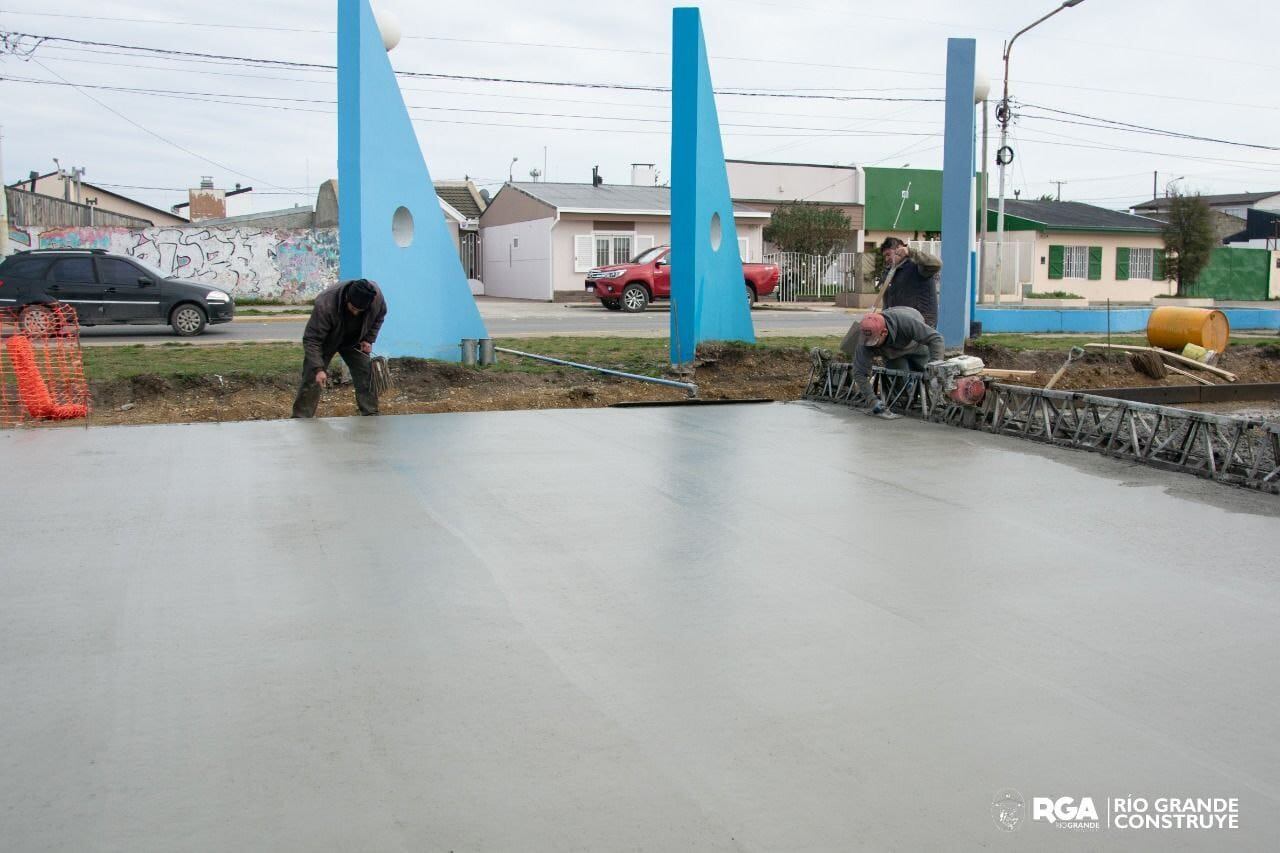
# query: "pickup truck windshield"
{"type": "Point", "coordinates": [649, 255]}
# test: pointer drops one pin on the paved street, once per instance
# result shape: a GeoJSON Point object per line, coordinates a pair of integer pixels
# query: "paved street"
{"type": "Point", "coordinates": [504, 319]}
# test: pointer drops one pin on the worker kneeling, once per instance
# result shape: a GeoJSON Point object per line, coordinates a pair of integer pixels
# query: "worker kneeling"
{"type": "Point", "coordinates": [900, 336]}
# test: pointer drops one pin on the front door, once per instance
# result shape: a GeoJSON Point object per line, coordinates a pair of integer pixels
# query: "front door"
{"type": "Point", "coordinates": [71, 280]}
{"type": "Point", "coordinates": [125, 297]}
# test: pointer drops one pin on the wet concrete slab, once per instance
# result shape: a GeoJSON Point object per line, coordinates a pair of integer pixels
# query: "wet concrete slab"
{"type": "Point", "coordinates": [782, 627]}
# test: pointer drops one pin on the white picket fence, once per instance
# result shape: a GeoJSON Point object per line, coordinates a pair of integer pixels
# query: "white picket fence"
{"type": "Point", "coordinates": [805, 277]}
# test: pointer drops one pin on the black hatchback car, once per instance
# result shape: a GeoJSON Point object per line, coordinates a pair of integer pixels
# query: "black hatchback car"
{"type": "Point", "coordinates": [106, 289]}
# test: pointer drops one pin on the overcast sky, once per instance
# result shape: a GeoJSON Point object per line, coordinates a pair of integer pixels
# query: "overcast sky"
{"type": "Point", "coordinates": [1180, 65]}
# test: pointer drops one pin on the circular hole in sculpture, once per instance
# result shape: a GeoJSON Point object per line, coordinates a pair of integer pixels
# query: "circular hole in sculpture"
{"type": "Point", "coordinates": [715, 232]}
{"type": "Point", "coordinates": [402, 227]}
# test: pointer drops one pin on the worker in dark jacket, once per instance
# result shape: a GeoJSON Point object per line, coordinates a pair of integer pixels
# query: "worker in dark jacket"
{"type": "Point", "coordinates": [898, 335]}
{"type": "Point", "coordinates": [911, 280]}
{"type": "Point", "coordinates": [345, 322]}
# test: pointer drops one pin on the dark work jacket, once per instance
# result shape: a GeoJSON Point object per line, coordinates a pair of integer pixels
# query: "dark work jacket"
{"type": "Point", "coordinates": [915, 285]}
{"type": "Point", "coordinates": [323, 335]}
{"type": "Point", "coordinates": [908, 333]}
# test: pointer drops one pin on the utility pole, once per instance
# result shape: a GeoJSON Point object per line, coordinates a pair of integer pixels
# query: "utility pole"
{"type": "Point", "coordinates": [1004, 115]}
{"type": "Point", "coordinates": [1059, 183]}
{"type": "Point", "coordinates": [982, 206]}
{"type": "Point", "coordinates": [4, 203]}
{"type": "Point", "coordinates": [1155, 182]}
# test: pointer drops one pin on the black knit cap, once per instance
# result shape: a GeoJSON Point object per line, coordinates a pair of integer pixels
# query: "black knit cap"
{"type": "Point", "coordinates": [360, 293]}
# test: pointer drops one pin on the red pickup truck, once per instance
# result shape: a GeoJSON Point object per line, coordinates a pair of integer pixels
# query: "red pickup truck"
{"type": "Point", "coordinates": [631, 287]}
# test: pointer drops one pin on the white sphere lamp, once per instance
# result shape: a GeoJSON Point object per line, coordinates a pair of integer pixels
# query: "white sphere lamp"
{"type": "Point", "coordinates": [389, 27]}
{"type": "Point", "coordinates": [981, 87]}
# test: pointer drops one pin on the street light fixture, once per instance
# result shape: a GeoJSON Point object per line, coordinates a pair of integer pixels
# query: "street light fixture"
{"type": "Point", "coordinates": [511, 170]}
{"type": "Point", "coordinates": [1168, 188]}
{"type": "Point", "coordinates": [1004, 156]}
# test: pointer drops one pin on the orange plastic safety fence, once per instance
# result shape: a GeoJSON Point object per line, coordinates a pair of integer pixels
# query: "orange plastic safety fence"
{"type": "Point", "coordinates": [41, 369]}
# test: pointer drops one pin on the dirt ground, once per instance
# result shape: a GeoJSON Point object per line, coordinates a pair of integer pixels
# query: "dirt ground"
{"type": "Point", "coordinates": [722, 372]}
{"type": "Point", "coordinates": [1110, 369]}
{"type": "Point", "coordinates": [420, 386]}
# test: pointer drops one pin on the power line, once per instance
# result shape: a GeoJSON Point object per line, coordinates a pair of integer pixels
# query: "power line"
{"type": "Point", "coordinates": [472, 94]}
{"type": "Point", "coordinates": [751, 59]}
{"type": "Point", "coordinates": [1124, 125]}
{"type": "Point", "coordinates": [755, 60]}
{"type": "Point", "coordinates": [226, 98]}
{"type": "Point", "coordinates": [10, 41]}
{"type": "Point", "coordinates": [149, 131]}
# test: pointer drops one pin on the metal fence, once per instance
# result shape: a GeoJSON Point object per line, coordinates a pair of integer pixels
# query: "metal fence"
{"type": "Point", "coordinates": [814, 276]}
{"type": "Point", "coordinates": [1242, 451]}
{"type": "Point", "coordinates": [469, 253]}
{"type": "Point", "coordinates": [1013, 266]}
{"type": "Point", "coordinates": [33, 209]}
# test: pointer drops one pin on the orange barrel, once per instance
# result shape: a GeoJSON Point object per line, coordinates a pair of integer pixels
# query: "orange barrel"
{"type": "Point", "coordinates": [1173, 327]}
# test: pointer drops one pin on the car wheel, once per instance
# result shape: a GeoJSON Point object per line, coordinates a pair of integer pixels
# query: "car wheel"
{"type": "Point", "coordinates": [611, 304]}
{"type": "Point", "coordinates": [38, 320]}
{"type": "Point", "coordinates": [751, 297]}
{"type": "Point", "coordinates": [634, 299]}
{"type": "Point", "coordinates": [187, 320]}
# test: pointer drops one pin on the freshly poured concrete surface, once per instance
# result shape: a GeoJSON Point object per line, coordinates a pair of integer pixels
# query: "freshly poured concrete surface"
{"type": "Point", "coordinates": [778, 627]}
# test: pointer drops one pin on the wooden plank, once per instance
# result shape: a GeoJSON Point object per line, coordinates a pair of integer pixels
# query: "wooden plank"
{"type": "Point", "coordinates": [996, 373]}
{"type": "Point", "coordinates": [1187, 373]}
{"type": "Point", "coordinates": [1169, 356]}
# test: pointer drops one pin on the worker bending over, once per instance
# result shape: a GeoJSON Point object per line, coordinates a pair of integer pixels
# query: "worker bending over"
{"type": "Point", "coordinates": [898, 335]}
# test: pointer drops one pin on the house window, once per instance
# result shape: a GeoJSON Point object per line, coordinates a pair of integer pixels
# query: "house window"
{"type": "Point", "coordinates": [1142, 263]}
{"type": "Point", "coordinates": [1075, 262]}
{"type": "Point", "coordinates": [613, 249]}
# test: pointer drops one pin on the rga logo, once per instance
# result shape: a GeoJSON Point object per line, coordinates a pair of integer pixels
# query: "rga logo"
{"type": "Point", "coordinates": [1007, 809]}
{"type": "Point", "coordinates": [1066, 812]}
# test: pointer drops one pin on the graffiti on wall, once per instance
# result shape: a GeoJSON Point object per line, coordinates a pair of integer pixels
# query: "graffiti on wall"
{"type": "Point", "coordinates": [251, 263]}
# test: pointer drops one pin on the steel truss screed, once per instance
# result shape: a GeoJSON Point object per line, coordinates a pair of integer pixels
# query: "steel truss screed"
{"type": "Point", "coordinates": [1234, 450]}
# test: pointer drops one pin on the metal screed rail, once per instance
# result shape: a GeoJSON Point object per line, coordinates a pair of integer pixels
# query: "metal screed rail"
{"type": "Point", "coordinates": [1238, 451]}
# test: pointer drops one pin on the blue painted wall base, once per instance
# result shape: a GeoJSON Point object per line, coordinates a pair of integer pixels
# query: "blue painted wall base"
{"type": "Point", "coordinates": [383, 178]}
{"type": "Point", "coordinates": [1094, 320]}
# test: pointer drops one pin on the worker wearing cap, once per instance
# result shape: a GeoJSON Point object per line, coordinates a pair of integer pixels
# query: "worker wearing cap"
{"type": "Point", "coordinates": [898, 335]}
{"type": "Point", "coordinates": [345, 322]}
{"type": "Point", "coordinates": [910, 280]}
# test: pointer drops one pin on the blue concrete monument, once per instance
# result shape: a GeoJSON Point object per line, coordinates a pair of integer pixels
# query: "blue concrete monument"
{"type": "Point", "coordinates": [955, 300]}
{"type": "Point", "coordinates": [391, 227]}
{"type": "Point", "coordinates": [708, 295]}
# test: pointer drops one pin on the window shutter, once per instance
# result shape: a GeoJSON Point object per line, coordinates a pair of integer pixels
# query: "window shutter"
{"type": "Point", "coordinates": [1122, 264]}
{"type": "Point", "coordinates": [744, 249]}
{"type": "Point", "coordinates": [1095, 263]}
{"type": "Point", "coordinates": [644, 242]}
{"type": "Point", "coordinates": [1157, 265]}
{"type": "Point", "coordinates": [1055, 262]}
{"type": "Point", "coordinates": [584, 252]}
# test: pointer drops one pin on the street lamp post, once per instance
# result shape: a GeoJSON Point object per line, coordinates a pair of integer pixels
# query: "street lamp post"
{"type": "Point", "coordinates": [1004, 156]}
{"type": "Point", "coordinates": [511, 170]}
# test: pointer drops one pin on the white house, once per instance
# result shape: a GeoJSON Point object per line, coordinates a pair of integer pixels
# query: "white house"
{"type": "Point", "coordinates": [540, 239]}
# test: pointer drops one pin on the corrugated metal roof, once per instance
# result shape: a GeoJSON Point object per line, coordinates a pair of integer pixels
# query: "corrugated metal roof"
{"type": "Point", "coordinates": [607, 197]}
{"type": "Point", "coordinates": [1228, 198]}
{"type": "Point", "coordinates": [1075, 214]}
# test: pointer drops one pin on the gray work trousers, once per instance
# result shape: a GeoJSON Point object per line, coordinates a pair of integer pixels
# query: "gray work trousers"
{"type": "Point", "coordinates": [912, 361]}
{"type": "Point", "coordinates": [304, 406]}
